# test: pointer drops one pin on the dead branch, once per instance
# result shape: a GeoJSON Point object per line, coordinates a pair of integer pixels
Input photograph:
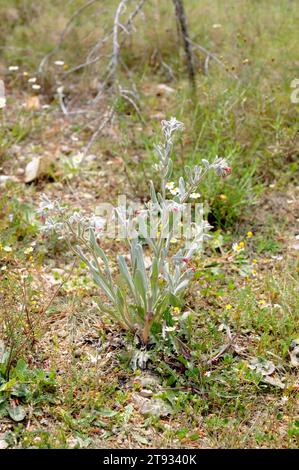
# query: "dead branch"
{"type": "Point", "coordinates": [102, 125]}
{"type": "Point", "coordinates": [63, 34]}
{"type": "Point", "coordinates": [225, 348]}
{"type": "Point", "coordinates": [211, 55]}
{"type": "Point", "coordinates": [181, 18]}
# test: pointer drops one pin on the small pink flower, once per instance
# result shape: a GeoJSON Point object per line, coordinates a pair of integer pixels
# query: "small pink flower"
{"type": "Point", "coordinates": [186, 260]}
{"type": "Point", "coordinates": [227, 170]}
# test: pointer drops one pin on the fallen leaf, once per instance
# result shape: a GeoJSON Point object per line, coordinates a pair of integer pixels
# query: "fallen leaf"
{"type": "Point", "coordinates": [163, 89]}
{"type": "Point", "coordinates": [275, 381]}
{"type": "Point", "coordinates": [262, 366]}
{"type": "Point", "coordinates": [32, 102]}
{"type": "Point", "coordinates": [152, 406]}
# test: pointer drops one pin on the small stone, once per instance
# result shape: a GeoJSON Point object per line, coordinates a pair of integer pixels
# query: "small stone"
{"type": "Point", "coordinates": [149, 380]}
{"type": "Point", "coordinates": [152, 406]}
{"type": "Point", "coordinates": [163, 89]}
{"type": "Point", "coordinates": [3, 444]}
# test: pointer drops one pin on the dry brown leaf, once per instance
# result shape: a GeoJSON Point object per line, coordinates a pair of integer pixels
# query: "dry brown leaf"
{"type": "Point", "coordinates": [32, 102]}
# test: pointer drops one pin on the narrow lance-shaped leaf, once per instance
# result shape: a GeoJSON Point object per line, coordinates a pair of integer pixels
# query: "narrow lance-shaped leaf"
{"type": "Point", "coordinates": [139, 284]}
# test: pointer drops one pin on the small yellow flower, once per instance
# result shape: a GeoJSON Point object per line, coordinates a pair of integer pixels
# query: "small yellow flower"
{"type": "Point", "coordinates": [228, 307]}
{"type": "Point", "coordinates": [238, 246]}
{"type": "Point", "coordinates": [176, 310]}
{"type": "Point", "coordinates": [223, 197]}
{"type": "Point", "coordinates": [254, 261]}
{"type": "Point", "coordinates": [262, 302]}
{"type": "Point", "coordinates": [173, 240]}
{"type": "Point", "coordinates": [65, 67]}
{"type": "Point", "coordinates": [249, 234]}
{"type": "Point", "coordinates": [8, 249]}
{"type": "Point", "coordinates": [28, 250]}
{"type": "Point", "coordinates": [158, 234]}
{"type": "Point", "coordinates": [254, 272]}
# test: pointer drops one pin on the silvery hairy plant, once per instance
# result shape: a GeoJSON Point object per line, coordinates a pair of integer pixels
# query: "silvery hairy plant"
{"type": "Point", "coordinates": [157, 269]}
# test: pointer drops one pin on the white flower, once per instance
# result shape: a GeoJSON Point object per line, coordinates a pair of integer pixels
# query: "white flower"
{"type": "Point", "coordinates": [13, 68]}
{"type": "Point", "coordinates": [170, 185]}
{"type": "Point", "coordinates": [60, 90]}
{"type": "Point", "coordinates": [77, 159]}
{"type": "Point", "coordinates": [36, 87]}
{"type": "Point", "coordinates": [59, 62]}
{"type": "Point", "coordinates": [2, 102]}
{"type": "Point", "coordinates": [45, 205]}
{"type": "Point", "coordinates": [76, 217]}
{"type": "Point", "coordinates": [195, 196]}
{"type": "Point", "coordinates": [237, 248]}
{"type": "Point", "coordinates": [97, 222]}
{"type": "Point", "coordinates": [32, 80]}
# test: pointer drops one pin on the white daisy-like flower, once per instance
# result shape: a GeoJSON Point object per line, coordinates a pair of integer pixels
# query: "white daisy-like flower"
{"type": "Point", "coordinates": [13, 68]}
{"type": "Point", "coordinates": [59, 62]}
{"type": "Point", "coordinates": [32, 80]}
{"type": "Point", "coordinates": [77, 159]}
{"type": "Point", "coordinates": [237, 248]}
{"type": "Point", "coordinates": [36, 87]}
{"type": "Point", "coordinates": [195, 196]}
{"type": "Point", "coordinates": [170, 185]}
